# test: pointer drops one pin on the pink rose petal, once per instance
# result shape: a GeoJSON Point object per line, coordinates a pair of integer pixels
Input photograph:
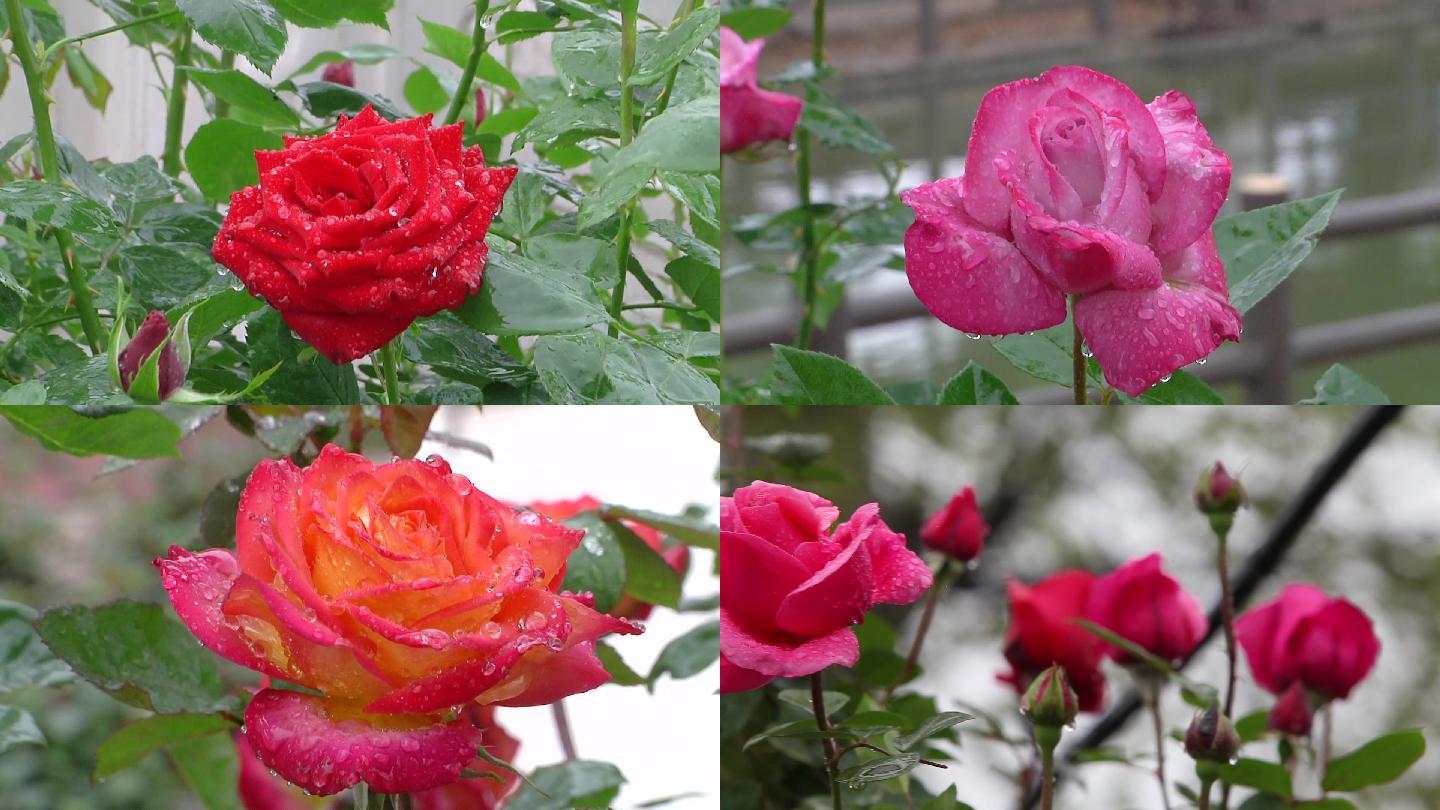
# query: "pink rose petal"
{"type": "Point", "coordinates": [1197, 177]}
{"type": "Point", "coordinates": [785, 659]}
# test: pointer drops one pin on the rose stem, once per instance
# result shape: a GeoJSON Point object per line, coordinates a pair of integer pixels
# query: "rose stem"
{"type": "Point", "coordinates": [1227, 619]}
{"type": "Point", "coordinates": [1326, 738]}
{"type": "Point", "coordinates": [467, 78]}
{"type": "Point", "coordinates": [1152, 696]}
{"type": "Point", "coordinates": [1078, 359]}
{"type": "Point", "coordinates": [1205, 794]}
{"type": "Point", "coordinates": [629, 21]}
{"type": "Point", "coordinates": [809, 260]}
{"type": "Point", "coordinates": [822, 722]}
{"type": "Point", "coordinates": [388, 360]}
{"type": "Point", "coordinates": [562, 728]}
{"type": "Point", "coordinates": [937, 589]}
{"type": "Point", "coordinates": [227, 62]}
{"type": "Point", "coordinates": [1047, 778]}
{"type": "Point", "coordinates": [175, 106]}
{"type": "Point", "coordinates": [61, 43]}
{"type": "Point", "coordinates": [681, 13]}
{"type": "Point", "coordinates": [50, 166]}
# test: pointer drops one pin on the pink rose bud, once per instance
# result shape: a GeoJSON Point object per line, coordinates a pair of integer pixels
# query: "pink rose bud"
{"type": "Point", "coordinates": [1218, 492]}
{"type": "Point", "coordinates": [340, 73]}
{"type": "Point", "coordinates": [1292, 714]}
{"type": "Point", "coordinates": [1141, 603]}
{"type": "Point", "coordinates": [749, 115]}
{"type": "Point", "coordinates": [958, 529]}
{"type": "Point", "coordinates": [1212, 737]}
{"type": "Point", "coordinates": [479, 106]}
{"type": "Point", "coordinates": [1075, 187]}
{"type": "Point", "coordinates": [791, 588]}
{"type": "Point", "coordinates": [1050, 701]}
{"type": "Point", "coordinates": [152, 332]}
{"type": "Point", "coordinates": [1324, 643]}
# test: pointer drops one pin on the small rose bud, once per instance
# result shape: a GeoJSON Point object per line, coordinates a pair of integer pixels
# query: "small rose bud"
{"type": "Point", "coordinates": [479, 106]}
{"type": "Point", "coordinates": [152, 332]}
{"type": "Point", "coordinates": [1219, 492]}
{"type": "Point", "coordinates": [339, 73]}
{"type": "Point", "coordinates": [1050, 701]}
{"type": "Point", "coordinates": [1212, 736]}
{"type": "Point", "coordinates": [1292, 714]}
{"type": "Point", "coordinates": [958, 529]}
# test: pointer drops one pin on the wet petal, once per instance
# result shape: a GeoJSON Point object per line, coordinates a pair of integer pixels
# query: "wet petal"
{"type": "Point", "coordinates": [197, 584]}
{"type": "Point", "coordinates": [1197, 176]}
{"type": "Point", "coordinates": [833, 597]}
{"type": "Point", "coordinates": [735, 678]}
{"type": "Point", "coordinates": [786, 657]}
{"type": "Point", "coordinates": [899, 575]}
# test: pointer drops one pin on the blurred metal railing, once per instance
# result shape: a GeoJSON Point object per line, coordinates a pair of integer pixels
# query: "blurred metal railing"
{"type": "Point", "coordinates": [1271, 350]}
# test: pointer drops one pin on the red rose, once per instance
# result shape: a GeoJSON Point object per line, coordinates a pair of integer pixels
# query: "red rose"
{"type": "Point", "coordinates": [1043, 632]}
{"type": "Point", "coordinates": [958, 529]}
{"type": "Point", "coordinates": [355, 234]}
{"type": "Point", "coordinates": [677, 556]}
{"type": "Point", "coordinates": [1141, 603]}
{"type": "Point", "coordinates": [400, 593]}
{"type": "Point", "coordinates": [790, 590]}
{"type": "Point", "coordinates": [1326, 644]}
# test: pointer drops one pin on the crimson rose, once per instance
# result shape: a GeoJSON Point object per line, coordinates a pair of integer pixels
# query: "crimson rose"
{"type": "Point", "coordinates": [354, 234]}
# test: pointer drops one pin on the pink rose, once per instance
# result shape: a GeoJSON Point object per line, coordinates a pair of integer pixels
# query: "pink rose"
{"type": "Point", "coordinates": [791, 589]}
{"type": "Point", "coordinates": [749, 115]}
{"type": "Point", "coordinates": [1074, 187]}
{"type": "Point", "coordinates": [1326, 644]}
{"type": "Point", "coordinates": [958, 529]}
{"type": "Point", "coordinates": [1043, 633]}
{"type": "Point", "coordinates": [1141, 603]}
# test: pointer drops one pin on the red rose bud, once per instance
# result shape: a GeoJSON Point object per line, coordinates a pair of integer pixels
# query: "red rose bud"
{"type": "Point", "coordinates": [1141, 603]}
{"type": "Point", "coordinates": [479, 106]}
{"type": "Point", "coordinates": [339, 73]}
{"type": "Point", "coordinates": [958, 529]}
{"type": "Point", "coordinates": [152, 332]}
{"type": "Point", "coordinates": [1219, 495]}
{"type": "Point", "coordinates": [1292, 714]}
{"type": "Point", "coordinates": [1050, 701]}
{"type": "Point", "coordinates": [1212, 737]}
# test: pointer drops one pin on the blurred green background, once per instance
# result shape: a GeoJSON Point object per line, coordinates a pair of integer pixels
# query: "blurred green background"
{"type": "Point", "coordinates": [1093, 488]}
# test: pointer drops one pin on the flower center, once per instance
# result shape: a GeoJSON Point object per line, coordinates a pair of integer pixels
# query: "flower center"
{"type": "Point", "coordinates": [1071, 145]}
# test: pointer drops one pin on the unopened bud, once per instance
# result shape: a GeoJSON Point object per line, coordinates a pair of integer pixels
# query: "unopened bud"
{"type": "Point", "coordinates": [1292, 714]}
{"type": "Point", "coordinates": [1050, 702]}
{"type": "Point", "coordinates": [479, 106]}
{"type": "Point", "coordinates": [153, 331]}
{"type": "Point", "coordinates": [1219, 495]}
{"type": "Point", "coordinates": [1212, 736]}
{"type": "Point", "coordinates": [340, 73]}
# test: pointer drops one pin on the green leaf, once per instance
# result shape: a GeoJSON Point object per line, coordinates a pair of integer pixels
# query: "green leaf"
{"type": "Point", "coordinates": [648, 577]}
{"type": "Point", "coordinates": [424, 93]}
{"type": "Point", "coordinates": [812, 378]}
{"type": "Point", "coordinates": [656, 62]}
{"type": "Point", "coordinates": [1044, 355]}
{"type": "Point", "coordinates": [328, 100]}
{"type": "Point", "coordinates": [523, 297]}
{"type": "Point", "coordinates": [756, 21]}
{"type": "Point", "coordinates": [688, 530]}
{"type": "Point", "coordinates": [591, 368]}
{"type": "Point", "coordinates": [25, 661]}
{"type": "Point", "coordinates": [513, 26]}
{"type": "Point", "coordinates": [684, 138]}
{"type": "Point", "coordinates": [216, 313]}
{"type": "Point", "coordinates": [1267, 776]}
{"type": "Point", "coordinates": [457, 352]}
{"type": "Point", "coordinates": [878, 770]}
{"type": "Point", "coordinates": [976, 386]}
{"type": "Point", "coordinates": [86, 77]}
{"type": "Point", "coordinates": [211, 766]}
{"type": "Point", "coordinates": [570, 116]}
{"type": "Point", "coordinates": [699, 281]}
{"type": "Point", "coordinates": [688, 654]}
{"type": "Point", "coordinates": [448, 43]}
{"type": "Point", "coordinates": [362, 54]}
{"type": "Point", "coordinates": [800, 699]}
{"type": "Point", "coordinates": [504, 122]}
{"type": "Point", "coordinates": [1340, 385]}
{"type": "Point", "coordinates": [526, 202]}
{"type": "Point", "coordinates": [1377, 762]}
{"type": "Point", "coordinates": [326, 13]}
{"type": "Point", "coordinates": [588, 55]}
{"type": "Point", "coordinates": [221, 156]}
{"type": "Point", "coordinates": [620, 672]}
{"type": "Point", "coordinates": [31, 392]}
{"type": "Point", "coordinates": [176, 224]}
{"type": "Point", "coordinates": [1253, 726]}
{"type": "Point", "coordinates": [304, 377]}
{"type": "Point", "coordinates": [140, 433]}
{"type": "Point", "coordinates": [57, 206]}
{"type": "Point", "coordinates": [136, 654]}
{"type": "Point", "coordinates": [252, 28]}
{"type": "Point", "coordinates": [839, 127]}
{"type": "Point", "coordinates": [135, 741]}
{"type": "Point", "coordinates": [247, 94]}
{"type": "Point", "coordinates": [17, 727]}
{"type": "Point", "coordinates": [1181, 388]}
{"type": "Point", "coordinates": [1261, 248]}
{"type": "Point", "coordinates": [577, 784]}
{"type": "Point", "coordinates": [932, 726]}
{"type": "Point", "coordinates": [491, 71]}
{"type": "Point", "coordinates": [162, 277]}
{"type": "Point", "coordinates": [598, 565]}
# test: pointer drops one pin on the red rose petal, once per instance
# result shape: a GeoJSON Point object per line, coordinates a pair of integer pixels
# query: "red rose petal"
{"type": "Point", "coordinates": [197, 583]}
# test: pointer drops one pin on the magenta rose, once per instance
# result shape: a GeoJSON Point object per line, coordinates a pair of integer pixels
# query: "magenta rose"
{"type": "Point", "coordinates": [749, 115]}
{"type": "Point", "coordinates": [1074, 187]}
{"type": "Point", "coordinates": [791, 589]}
{"type": "Point", "coordinates": [1324, 643]}
{"type": "Point", "coordinates": [1144, 605]}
